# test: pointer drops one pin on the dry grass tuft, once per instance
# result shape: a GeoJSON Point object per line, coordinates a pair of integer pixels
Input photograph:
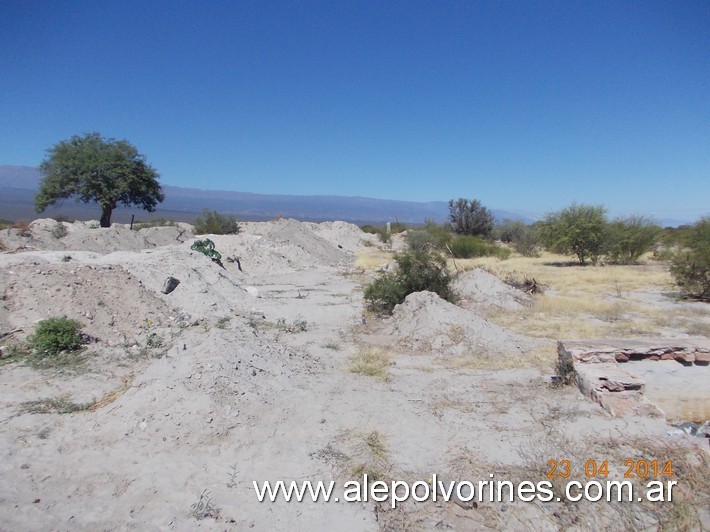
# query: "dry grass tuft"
{"type": "Point", "coordinates": [372, 362]}
{"type": "Point", "coordinates": [592, 301]}
{"type": "Point", "coordinates": [372, 258]}
{"type": "Point", "coordinates": [542, 358]}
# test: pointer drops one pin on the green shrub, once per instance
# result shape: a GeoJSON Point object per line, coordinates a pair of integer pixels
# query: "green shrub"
{"type": "Point", "coordinates": [416, 271]}
{"type": "Point", "coordinates": [691, 266]}
{"type": "Point", "coordinates": [430, 236]}
{"type": "Point", "coordinates": [579, 230]}
{"type": "Point", "coordinates": [466, 247]}
{"type": "Point", "coordinates": [629, 238]}
{"type": "Point", "coordinates": [54, 335]}
{"type": "Point", "coordinates": [214, 223]}
{"type": "Point", "coordinates": [521, 236]}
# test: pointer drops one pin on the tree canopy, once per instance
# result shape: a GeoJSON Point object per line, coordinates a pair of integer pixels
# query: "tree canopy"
{"type": "Point", "coordinates": [470, 217]}
{"type": "Point", "coordinates": [579, 230]}
{"type": "Point", "coordinates": [92, 168]}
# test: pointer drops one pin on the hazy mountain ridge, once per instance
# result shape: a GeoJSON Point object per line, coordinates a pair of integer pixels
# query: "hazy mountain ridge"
{"type": "Point", "coordinates": [18, 184]}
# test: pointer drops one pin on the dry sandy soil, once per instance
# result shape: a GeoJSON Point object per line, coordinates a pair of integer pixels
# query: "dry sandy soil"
{"type": "Point", "coordinates": [184, 399]}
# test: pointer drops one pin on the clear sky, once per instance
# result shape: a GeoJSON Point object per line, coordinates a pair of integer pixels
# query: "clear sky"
{"type": "Point", "coordinates": [525, 105]}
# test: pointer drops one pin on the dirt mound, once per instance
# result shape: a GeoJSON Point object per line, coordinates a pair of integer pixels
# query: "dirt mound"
{"type": "Point", "coordinates": [298, 241]}
{"type": "Point", "coordinates": [480, 290]}
{"type": "Point", "coordinates": [428, 323]}
{"type": "Point", "coordinates": [112, 304]}
{"type": "Point", "coordinates": [49, 234]}
{"type": "Point", "coordinates": [343, 235]}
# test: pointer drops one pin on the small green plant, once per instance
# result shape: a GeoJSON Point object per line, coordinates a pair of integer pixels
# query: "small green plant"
{"type": "Point", "coordinates": [214, 223]}
{"type": "Point", "coordinates": [298, 325]}
{"type": "Point", "coordinates": [154, 341]}
{"type": "Point", "coordinates": [54, 335]}
{"type": "Point", "coordinates": [223, 322]}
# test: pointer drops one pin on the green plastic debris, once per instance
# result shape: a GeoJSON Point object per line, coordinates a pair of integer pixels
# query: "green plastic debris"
{"type": "Point", "coordinates": [206, 247]}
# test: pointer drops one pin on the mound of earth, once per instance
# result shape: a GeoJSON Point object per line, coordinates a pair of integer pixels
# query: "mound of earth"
{"type": "Point", "coordinates": [426, 322]}
{"type": "Point", "coordinates": [49, 234]}
{"type": "Point", "coordinates": [480, 290]}
{"type": "Point", "coordinates": [299, 241]}
{"type": "Point", "coordinates": [346, 236]}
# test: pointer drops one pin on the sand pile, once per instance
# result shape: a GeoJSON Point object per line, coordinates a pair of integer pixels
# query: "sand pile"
{"type": "Point", "coordinates": [47, 233]}
{"type": "Point", "coordinates": [480, 290]}
{"type": "Point", "coordinates": [343, 235]}
{"type": "Point", "coordinates": [426, 322]}
{"type": "Point", "coordinates": [302, 246]}
{"type": "Point", "coordinates": [108, 300]}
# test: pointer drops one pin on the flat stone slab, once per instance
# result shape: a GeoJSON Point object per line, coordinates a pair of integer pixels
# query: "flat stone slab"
{"type": "Point", "coordinates": [686, 351]}
{"type": "Point", "coordinates": [600, 377]}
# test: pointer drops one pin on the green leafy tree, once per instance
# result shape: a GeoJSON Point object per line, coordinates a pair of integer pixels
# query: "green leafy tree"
{"type": "Point", "coordinates": [94, 169]}
{"type": "Point", "coordinates": [629, 238]}
{"type": "Point", "coordinates": [691, 265]}
{"type": "Point", "coordinates": [470, 217]}
{"type": "Point", "coordinates": [579, 230]}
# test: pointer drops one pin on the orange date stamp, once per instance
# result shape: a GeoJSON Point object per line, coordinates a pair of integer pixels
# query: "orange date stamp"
{"type": "Point", "coordinates": [591, 468]}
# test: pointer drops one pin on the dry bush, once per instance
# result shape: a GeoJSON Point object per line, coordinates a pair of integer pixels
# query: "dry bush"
{"type": "Point", "coordinates": [22, 227]}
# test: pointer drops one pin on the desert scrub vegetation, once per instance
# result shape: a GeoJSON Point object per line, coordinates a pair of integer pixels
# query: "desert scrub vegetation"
{"type": "Point", "coordinates": [522, 237]}
{"type": "Point", "coordinates": [155, 222]}
{"type": "Point", "coordinates": [691, 265]}
{"type": "Point", "coordinates": [610, 301]}
{"type": "Point", "coordinates": [54, 335]}
{"type": "Point", "coordinates": [214, 223]}
{"type": "Point", "coordinates": [54, 405]}
{"type": "Point", "coordinates": [416, 271]}
{"type": "Point", "coordinates": [466, 247]}
{"type": "Point", "coordinates": [372, 362]}
{"type": "Point", "coordinates": [442, 237]}
{"type": "Point", "coordinates": [629, 238]}
{"type": "Point", "coordinates": [56, 343]}
{"type": "Point", "coordinates": [470, 217]}
{"type": "Point", "coordinates": [584, 231]}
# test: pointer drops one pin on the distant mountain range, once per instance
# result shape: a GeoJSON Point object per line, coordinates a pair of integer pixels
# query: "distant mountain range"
{"type": "Point", "coordinates": [19, 184]}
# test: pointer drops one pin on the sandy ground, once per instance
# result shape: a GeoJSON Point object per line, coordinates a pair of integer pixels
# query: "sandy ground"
{"type": "Point", "coordinates": [242, 376]}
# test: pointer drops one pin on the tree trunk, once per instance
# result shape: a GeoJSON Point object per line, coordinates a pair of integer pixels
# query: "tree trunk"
{"type": "Point", "coordinates": [106, 211]}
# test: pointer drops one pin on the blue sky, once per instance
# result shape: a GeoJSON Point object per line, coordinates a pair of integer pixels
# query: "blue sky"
{"type": "Point", "coordinates": [524, 105]}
